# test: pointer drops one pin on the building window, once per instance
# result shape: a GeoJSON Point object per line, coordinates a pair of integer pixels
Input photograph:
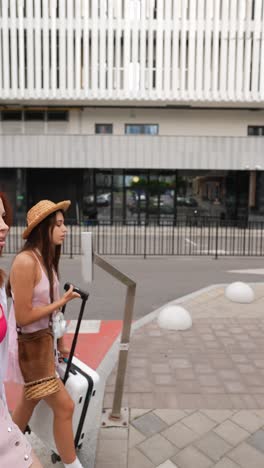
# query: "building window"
{"type": "Point", "coordinates": [104, 129]}
{"type": "Point", "coordinates": [11, 115]}
{"type": "Point", "coordinates": [34, 115]}
{"type": "Point", "coordinates": [257, 130]}
{"type": "Point", "coordinates": [141, 129]}
{"type": "Point", "coordinates": [57, 115]}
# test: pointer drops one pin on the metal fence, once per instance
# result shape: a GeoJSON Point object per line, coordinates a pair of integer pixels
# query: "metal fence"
{"type": "Point", "coordinates": [204, 236]}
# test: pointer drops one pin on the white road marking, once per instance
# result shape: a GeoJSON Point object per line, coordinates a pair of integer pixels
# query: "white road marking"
{"type": "Point", "coordinates": [87, 326]}
{"type": "Point", "coordinates": [190, 242]}
{"type": "Point", "coordinates": [213, 252]}
{"type": "Point", "coordinates": [257, 271]}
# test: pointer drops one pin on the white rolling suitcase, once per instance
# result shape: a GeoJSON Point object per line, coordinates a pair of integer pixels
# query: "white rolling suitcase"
{"type": "Point", "coordinates": [82, 383]}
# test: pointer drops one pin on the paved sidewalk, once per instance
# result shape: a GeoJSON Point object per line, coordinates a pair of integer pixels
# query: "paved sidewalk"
{"type": "Point", "coordinates": [195, 398]}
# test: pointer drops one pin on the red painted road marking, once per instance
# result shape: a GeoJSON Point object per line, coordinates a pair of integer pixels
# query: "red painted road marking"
{"type": "Point", "coordinates": [91, 348]}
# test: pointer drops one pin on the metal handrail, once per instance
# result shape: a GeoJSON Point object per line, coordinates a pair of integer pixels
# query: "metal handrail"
{"type": "Point", "coordinates": [126, 329]}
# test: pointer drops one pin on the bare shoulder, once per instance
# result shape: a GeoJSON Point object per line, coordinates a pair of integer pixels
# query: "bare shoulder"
{"type": "Point", "coordinates": [24, 260]}
{"type": "Point", "coordinates": [24, 271]}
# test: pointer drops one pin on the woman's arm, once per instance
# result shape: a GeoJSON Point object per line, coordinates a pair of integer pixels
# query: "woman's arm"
{"type": "Point", "coordinates": [23, 277]}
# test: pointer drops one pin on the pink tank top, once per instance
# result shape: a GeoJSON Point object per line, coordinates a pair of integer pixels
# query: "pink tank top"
{"type": "Point", "coordinates": [40, 297]}
{"type": "Point", "coordinates": [3, 324]}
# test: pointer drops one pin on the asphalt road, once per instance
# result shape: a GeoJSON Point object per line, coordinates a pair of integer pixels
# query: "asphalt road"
{"type": "Point", "coordinates": [159, 280]}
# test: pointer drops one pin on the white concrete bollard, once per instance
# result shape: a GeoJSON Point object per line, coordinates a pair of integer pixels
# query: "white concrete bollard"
{"type": "Point", "coordinates": [240, 292]}
{"type": "Point", "coordinates": [174, 317]}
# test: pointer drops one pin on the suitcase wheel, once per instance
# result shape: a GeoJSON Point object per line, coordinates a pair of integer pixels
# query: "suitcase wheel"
{"type": "Point", "coordinates": [55, 458]}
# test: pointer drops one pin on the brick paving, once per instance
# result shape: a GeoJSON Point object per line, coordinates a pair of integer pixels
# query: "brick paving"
{"type": "Point", "coordinates": [196, 439]}
{"type": "Point", "coordinates": [195, 397]}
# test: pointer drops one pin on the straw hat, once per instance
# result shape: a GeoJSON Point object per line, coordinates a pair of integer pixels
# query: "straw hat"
{"type": "Point", "coordinates": [40, 211]}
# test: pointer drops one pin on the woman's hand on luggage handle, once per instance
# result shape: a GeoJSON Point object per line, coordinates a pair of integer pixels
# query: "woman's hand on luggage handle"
{"type": "Point", "coordinates": [69, 295]}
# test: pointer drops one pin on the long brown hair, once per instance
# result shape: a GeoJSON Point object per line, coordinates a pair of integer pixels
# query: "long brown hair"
{"type": "Point", "coordinates": [40, 238]}
{"type": "Point", "coordinates": [8, 221]}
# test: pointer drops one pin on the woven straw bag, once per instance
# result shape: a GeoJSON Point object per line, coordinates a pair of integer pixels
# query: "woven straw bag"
{"type": "Point", "coordinates": [37, 364]}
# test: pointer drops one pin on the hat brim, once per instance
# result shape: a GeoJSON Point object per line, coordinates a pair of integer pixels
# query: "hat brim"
{"type": "Point", "coordinates": [63, 206]}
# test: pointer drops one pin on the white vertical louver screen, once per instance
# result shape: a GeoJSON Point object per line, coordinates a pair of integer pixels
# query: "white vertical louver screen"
{"type": "Point", "coordinates": [173, 50]}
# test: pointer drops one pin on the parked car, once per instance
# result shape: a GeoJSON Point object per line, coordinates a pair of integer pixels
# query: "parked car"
{"type": "Point", "coordinates": [190, 201]}
{"type": "Point", "coordinates": [186, 201]}
{"type": "Point", "coordinates": [104, 199]}
{"type": "Point", "coordinates": [139, 196]}
{"type": "Point", "coordinates": [155, 206]}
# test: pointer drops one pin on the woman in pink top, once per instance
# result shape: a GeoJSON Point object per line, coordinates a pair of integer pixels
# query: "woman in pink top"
{"type": "Point", "coordinates": [15, 450]}
{"type": "Point", "coordinates": [40, 296]}
{"type": "Point", "coordinates": [35, 291]}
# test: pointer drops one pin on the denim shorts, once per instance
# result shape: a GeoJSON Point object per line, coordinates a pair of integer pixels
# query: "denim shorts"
{"type": "Point", "coordinates": [15, 450]}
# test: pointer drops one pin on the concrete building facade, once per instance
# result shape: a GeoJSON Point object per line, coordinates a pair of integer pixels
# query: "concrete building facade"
{"type": "Point", "coordinates": [134, 108]}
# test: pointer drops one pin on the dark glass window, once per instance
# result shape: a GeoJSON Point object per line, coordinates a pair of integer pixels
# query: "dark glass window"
{"type": "Point", "coordinates": [57, 115]}
{"type": "Point", "coordinates": [141, 129]}
{"type": "Point", "coordinates": [256, 130]}
{"type": "Point", "coordinates": [34, 115]}
{"type": "Point", "coordinates": [11, 115]}
{"type": "Point", "coordinates": [104, 129]}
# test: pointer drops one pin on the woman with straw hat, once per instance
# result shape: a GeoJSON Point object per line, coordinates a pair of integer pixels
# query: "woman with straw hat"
{"type": "Point", "coordinates": [15, 450]}
{"type": "Point", "coordinates": [36, 300]}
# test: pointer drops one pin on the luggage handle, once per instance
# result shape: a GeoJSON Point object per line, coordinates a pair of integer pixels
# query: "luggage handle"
{"type": "Point", "coordinates": [84, 297]}
{"type": "Point", "coordinates": [77, 290]}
